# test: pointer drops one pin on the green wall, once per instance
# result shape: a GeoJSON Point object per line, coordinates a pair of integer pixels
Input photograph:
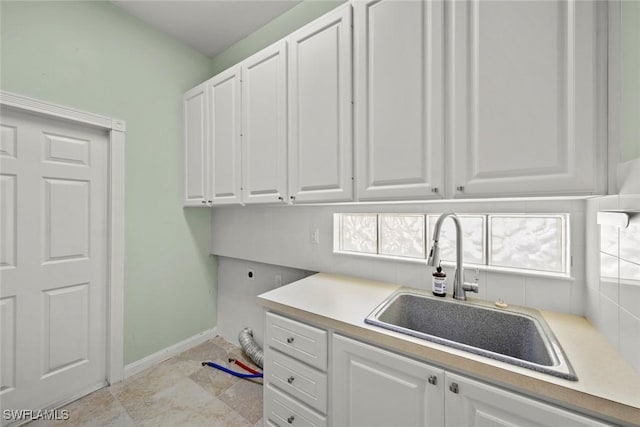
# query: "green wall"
{"type": "Point", "coordinates": [95, 57]}
{"type": "Point", "coordinates": [280, 27]}
{"type": "Point", "coordinates": [630, 53]}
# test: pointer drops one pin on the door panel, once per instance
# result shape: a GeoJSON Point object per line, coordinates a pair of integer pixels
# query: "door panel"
{"type": "Point", "coordinates": [8, 221]}
{"type": "Point", "coordinates": [196, 167]}
{"type": "Point", "coordinates": [66, 150]}
{"type": "Point", "coordinates": [8, 352]}
{"type": "Point", "coordinates": [67, 327]}
{"type": "Point", "coordinates": [8, 143]}
{"type": "Point", "coordinates": [66, 219]}
{"type": "Point", "coordinates": [373, 387]}
{"type": "Point", "coordinates": [399, 103]}
{"type": "Point", "coordinates": [264, 108]}
{"type": "Point", "coordinates": [226, 142]}
{"type": "Point", "coordinates": [320, 158]}
{"type": "Point", "coordinates": [478, 404]}
{"type": "Point", "coordinates": [525, 118]}
{"type": "Point", "coordinates": [54, 265]}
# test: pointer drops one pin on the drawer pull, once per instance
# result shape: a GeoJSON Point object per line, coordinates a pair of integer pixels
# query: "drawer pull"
{"type": "Point", "coordinates": [290, 419]}
{"type": "Point", "coordinates": [290, 380]}
{"type": "Point", "coordinates": [454, 387]}
{"type": "Point", "coordinates": [290, 340]}
{"type": "Point", "coordinates": [433, 380]}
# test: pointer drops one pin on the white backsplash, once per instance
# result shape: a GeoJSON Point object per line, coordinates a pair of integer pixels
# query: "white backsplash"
{"type": "Point", "coordinates": [281, 236]}
{"type": "Point", "coordinates": [237, 308]}
{"type": "Point", "coordinates": [613, 276]}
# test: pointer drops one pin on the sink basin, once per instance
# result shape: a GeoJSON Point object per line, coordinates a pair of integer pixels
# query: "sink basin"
{"type": "Point", "coordinates": [517, 336]}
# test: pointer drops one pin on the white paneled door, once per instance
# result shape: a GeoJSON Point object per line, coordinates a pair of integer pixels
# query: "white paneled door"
{"type": "Point", "coordinates": [53, 260]}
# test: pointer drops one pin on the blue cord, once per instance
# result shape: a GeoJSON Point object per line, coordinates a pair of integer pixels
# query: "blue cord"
{"type": "Point", "coordinates": [229, 371]}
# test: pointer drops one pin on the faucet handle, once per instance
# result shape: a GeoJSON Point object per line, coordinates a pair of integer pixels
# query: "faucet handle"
{"type": "Point", "coordinates": [470, 287]}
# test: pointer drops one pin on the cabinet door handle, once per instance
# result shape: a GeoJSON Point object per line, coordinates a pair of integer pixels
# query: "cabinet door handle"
{"type": "Point", "coordinates": [453, 387]}
{"type": "Point", "coordinates": [433, 380]}
{"type": "Point", "coordinates": [460, 188]}
{"type": "Point", "coordinates": [292, 197]}
{"type": "Point", "coordinates": [290, 380]}
{"type": "Point", "coordinates": [210, 201]}
{"type": "Point", "coordinates": [289, 340]}
{"type": "Point", "coordinates": [281, 198]}
{"type": "Point", "coordinates": [203, 202]}
{"type": "Point", "coordinates": [290, 419]}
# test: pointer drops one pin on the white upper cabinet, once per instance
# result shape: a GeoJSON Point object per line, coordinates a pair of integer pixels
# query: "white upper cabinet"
{"type": "Point", "coordinates": [264, 125]}
{"type": "Point", "coordinates": [436, 99]}
{"type": "Point", "coordinates": [196, 142]}
{"type": "Point", "coordinates": [399, 69]}
{"type": "Point", "coordinates": [524, 114]}
{"type": "Point", "coordinates": [226, 149]}
{"type": "Point", "coordinates": [320, 109]}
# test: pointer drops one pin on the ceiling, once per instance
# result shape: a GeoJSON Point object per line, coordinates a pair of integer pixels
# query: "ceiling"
{"type": "Point", "coordinates": [209, 26]}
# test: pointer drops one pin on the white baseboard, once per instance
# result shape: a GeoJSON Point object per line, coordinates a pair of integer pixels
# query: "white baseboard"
{"type": "Point", "coordinates": [166, 353]}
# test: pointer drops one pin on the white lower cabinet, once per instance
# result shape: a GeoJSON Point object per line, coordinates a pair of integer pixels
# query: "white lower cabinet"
{"type": "Point", "coordinates": [295, 365]}
{"type": "Point", "coordinates": [472, 403]}
{"type": "Point", "coordinates": [362, 385]}
{"type": "Point", "coordinates": [282, 410]}
{"type": "Point", "coordinates": [374, 387]}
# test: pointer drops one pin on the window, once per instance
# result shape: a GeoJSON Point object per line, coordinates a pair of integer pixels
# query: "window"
{"type": "Point", "coordinates": [473, 235]}
{"type": "Point", "coordinates": [402, 235]}
{"type": "Point", "coordinates": [513, 242]}
{"type": "Point", "coordinates": [359, 233]}
{"type": "Point", "coordinates": [528, 242]}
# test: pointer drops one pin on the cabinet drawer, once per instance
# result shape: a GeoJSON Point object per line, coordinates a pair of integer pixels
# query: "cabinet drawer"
{"type": "Point", "coordinates": [297, 379]}
{"type": "Point", "coordinates": [303, 342]}
{"type": "Point", "coordinates": [283, 411]}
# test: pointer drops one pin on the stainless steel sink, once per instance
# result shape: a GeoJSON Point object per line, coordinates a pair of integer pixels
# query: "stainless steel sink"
{"type": "Point", "coordinates": [517, 336]}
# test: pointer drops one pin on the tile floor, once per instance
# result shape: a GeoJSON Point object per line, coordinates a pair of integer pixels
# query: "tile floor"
{"type": "Point", "coordinates": [177, 392]}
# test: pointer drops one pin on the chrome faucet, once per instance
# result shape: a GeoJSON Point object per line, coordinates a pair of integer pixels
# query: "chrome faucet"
{"type": "Point", "coordinates": [460, 287]}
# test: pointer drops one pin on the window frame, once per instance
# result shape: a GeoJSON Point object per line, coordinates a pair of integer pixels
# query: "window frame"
{"type": "Point", "coordinates": [565, 243]}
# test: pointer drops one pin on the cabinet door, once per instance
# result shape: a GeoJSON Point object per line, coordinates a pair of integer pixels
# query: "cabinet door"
{"type": "Point", "coordinates": [477, 404]}
{"type": "Point", "coordinates": [196, 165]}
{"type": "Point", "coordinates": [373, 387]}
{"type": "Point", "coordinates": [226, 149]}
{"type": "Point", "coordinates": [399, 105]}
{"type": "Point", "coordinates": [320, 138]}
{"type": "Point", "coordinates": [264, 120]}
{"type": "Point", "coordinates": [525, 101]}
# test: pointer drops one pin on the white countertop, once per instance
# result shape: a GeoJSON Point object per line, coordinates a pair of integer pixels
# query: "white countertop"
{"type": "Point", "coordinates": [607, 387]}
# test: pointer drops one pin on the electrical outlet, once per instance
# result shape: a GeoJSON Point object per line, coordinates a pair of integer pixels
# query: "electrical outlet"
{"type": "Point", "coordinates": [315, 236]}
{"type": "Point", "coordinates": [251, 273]}
{"type": "Point", "coordinates": [278, 280]}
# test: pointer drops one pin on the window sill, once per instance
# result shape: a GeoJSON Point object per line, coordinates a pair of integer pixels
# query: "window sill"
{"type": "Point", "coordinates": [493, 269]}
